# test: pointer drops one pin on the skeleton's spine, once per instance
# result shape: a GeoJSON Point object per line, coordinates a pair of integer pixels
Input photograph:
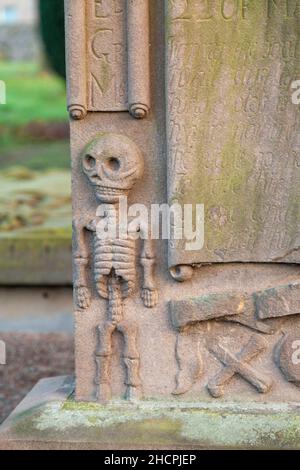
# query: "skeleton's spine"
{"type": "Point", "coordinates": [115, 307]}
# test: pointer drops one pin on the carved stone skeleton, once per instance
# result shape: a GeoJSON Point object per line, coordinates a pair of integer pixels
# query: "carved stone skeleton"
{"type": "Point", "coordinates": [113, 164]}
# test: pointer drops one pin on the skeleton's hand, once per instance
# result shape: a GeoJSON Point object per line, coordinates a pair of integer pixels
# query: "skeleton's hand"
{"type": "Point", "coordinates": [150, 297]}
{"type": "Point", "coordinates": [82, 297]}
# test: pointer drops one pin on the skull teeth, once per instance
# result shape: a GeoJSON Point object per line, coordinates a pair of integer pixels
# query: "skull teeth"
{"type": "Point", "coordinates": [103, 190]}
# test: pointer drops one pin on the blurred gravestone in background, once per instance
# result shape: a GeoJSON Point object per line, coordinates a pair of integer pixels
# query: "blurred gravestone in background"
{"type": "Point", "coordinates": [19, 30]}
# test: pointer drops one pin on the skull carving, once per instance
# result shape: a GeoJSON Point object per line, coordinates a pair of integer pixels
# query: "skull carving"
{"type": "Point", "coordinates": [112, 163]}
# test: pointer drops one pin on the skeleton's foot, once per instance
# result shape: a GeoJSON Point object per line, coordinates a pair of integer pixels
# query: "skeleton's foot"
{"type": "Point", "coordinates": [103, 392]}
{"type": "Point", "coordinates": [103, 378]}
{"type": "Point", "coordinates": [133, 393]}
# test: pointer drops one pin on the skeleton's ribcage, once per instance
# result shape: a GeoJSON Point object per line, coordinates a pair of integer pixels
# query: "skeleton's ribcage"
{"type": "Point", "coordinates": [118, 256]}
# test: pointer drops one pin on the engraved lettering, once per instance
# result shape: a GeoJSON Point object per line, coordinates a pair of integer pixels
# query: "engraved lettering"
{"type": "Point", "coordinates": [106, 62]}
{"type": "Point", "coordinates": [229, 8]}
{"type": "Point", "coordinates": [248, 79]}
{"type": "Point", "coordinates": [102, 8]}
{"type": "Point", "coordinates": [206, 10]}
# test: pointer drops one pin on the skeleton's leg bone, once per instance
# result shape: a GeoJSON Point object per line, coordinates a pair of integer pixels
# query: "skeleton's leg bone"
{"type": "Point", "coordinates": [103, 361]}
{"type": "Point", "coordinates": [133, 383]}
{"type": "Point", "coordinates": [129, 331]}
{"type": "Point", "coordinates": [131, 356]}
{"type": "Point", "coordinates": [133, 369]}
{"type": "Point", "coordinates": [104, 347]}
{"type": "Point", "coordinates": [103, 389]}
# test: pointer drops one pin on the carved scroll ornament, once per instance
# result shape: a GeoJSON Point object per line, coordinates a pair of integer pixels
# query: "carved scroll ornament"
{"type": "Point", "coordinates": [110, 57]}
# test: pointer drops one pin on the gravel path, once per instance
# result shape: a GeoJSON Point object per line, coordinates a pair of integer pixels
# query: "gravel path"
{"type": "Point", "coordinates": [30, 357]}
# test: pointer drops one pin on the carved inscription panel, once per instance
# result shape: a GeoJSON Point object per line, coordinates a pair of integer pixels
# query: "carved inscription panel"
{"type": "Point", "coordinates": [107, 59]}
{"type": "Point", "coordinates": [233, 129]}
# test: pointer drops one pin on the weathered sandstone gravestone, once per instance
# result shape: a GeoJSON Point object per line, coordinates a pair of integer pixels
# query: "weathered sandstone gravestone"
{"type": "Point", "coordinates": [181, 344]}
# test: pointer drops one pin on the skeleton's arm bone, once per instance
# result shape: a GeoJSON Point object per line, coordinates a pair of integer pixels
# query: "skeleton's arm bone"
{"type": "Point", "coordinates": [147, 260]}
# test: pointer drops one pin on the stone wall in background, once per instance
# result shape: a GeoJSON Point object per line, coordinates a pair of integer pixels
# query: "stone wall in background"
{"type": "Point", "coordinates": [19, 42]}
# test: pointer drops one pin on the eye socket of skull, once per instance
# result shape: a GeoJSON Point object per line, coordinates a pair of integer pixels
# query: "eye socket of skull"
{"type": "Point", "coordinates": [113, 163]}
{"type": "Point", "coordinates": [89, 162]}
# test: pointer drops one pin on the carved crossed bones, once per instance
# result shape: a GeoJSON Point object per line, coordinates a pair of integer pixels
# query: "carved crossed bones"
{"type": "Point", "coordinates": [239, 365]}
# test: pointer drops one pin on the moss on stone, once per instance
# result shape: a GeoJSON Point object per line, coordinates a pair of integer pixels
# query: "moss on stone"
{"type": "Point", "coordinates": [203, 425]}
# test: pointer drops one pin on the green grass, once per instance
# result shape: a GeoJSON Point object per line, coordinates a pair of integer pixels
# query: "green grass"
{"type": "Point", "coordinates": [32, 95]}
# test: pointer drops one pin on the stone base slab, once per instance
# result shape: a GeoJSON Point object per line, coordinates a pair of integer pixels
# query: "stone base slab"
{"type": "Point", "coordinates": [49, 418]}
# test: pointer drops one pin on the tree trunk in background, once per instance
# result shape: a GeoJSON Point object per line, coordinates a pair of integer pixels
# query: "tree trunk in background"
{"type": "Point", "coordinates": [53, 33]}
